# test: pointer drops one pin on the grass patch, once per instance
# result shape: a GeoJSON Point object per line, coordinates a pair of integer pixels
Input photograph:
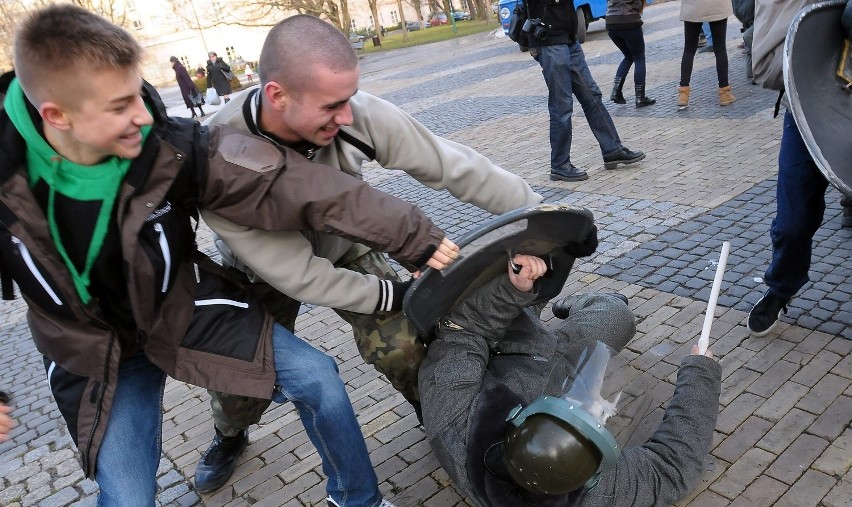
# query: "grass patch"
{"type": "Point", "coordinates": [428, 35]}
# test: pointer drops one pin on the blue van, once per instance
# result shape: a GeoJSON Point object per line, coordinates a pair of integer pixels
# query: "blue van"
{"type": "Point", "coordinates": [587, 10]}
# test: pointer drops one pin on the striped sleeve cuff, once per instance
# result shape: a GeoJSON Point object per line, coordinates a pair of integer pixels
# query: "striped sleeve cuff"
{"type": "Point", "coordinates": [391, 294]}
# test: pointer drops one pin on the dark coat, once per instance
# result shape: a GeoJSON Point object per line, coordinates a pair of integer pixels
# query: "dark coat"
{"type": "Point", "coordinates": [187, 87]}
{"type": "Point", "coordinates": [622, 14]}
{"type": "Point", "coordinates": [493, 353]}
{"type": "Point", "coordinates": [559, 19]}
{"type": "Point", "coordinates": [216, 77]}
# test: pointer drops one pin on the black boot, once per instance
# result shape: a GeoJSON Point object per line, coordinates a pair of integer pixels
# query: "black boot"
{"type": "Point", "coordinates": [641, 99]}
{"type": "Point", "coordinates": [616, 95]}
{"type": "Point", "coordinates": [193, 112]}
{"type": "Point", "coordinates": [219, 461]}
{"type": "Point", "coordinates": [201, 111]}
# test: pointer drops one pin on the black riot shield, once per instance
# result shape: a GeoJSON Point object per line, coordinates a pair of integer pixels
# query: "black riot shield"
{"type": "Point", "coordinates": [544, 230]}
{"type": "Point", "coordinates": [818, 82]}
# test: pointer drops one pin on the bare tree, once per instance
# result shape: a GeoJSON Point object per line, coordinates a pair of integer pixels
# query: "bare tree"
{"type": "Point", "coordinates": [113, 10]}
{"type": "Point", "coordinates": [345, 19]}
{"type": "Point", "coordinates": [418, 8]}
{"type": "Point", "coordinates": [402, 20]}
{"type": "Point", "coordinates": [374, 10]}
{"type": "Point", "coordinates": [12, 12]}
{"type": "Point", "coordinates": [260, 12]}
{"type": "Point", "coordinates": [483, 9]}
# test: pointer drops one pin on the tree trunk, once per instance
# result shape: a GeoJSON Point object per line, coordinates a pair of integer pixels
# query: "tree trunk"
{"type": "Point", "coordinates": [345, 19]}
{"type": "Point", "coordinates": [472, 9]}
{"type": "Point", "coordinates": [418, 7]}
{"type": "Point", "coordinates": [402, 20]}
{"type": "Point", "coordinates": [333, 15]}
{"type": "Point", "coordinates": [483, 9]}
{"type": "Point", "coordinates": [374, 9]}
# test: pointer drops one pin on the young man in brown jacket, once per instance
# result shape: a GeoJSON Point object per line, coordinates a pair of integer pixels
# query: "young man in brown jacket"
{"type": "Point", "coordinates": [99, 189]}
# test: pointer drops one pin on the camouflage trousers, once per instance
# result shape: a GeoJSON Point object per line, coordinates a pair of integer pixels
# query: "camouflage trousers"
{"type": "Point", "coordinates": [385, 340]}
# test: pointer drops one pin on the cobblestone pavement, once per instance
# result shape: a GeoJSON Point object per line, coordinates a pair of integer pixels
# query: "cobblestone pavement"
{"type": "Point", "coordinates": [783, 436]}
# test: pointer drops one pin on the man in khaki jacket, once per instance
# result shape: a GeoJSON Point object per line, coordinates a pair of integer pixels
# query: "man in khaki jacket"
{"type": "Point", "coordinates": [313, 105]}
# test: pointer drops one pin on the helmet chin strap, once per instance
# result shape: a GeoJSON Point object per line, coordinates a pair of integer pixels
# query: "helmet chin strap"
{"type": "Point", "coordinates": [581, 421]}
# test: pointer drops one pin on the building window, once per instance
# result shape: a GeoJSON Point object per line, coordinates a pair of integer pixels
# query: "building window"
{"type": "Point", "coordinates": [372, 22]}
{"type": "Point", "coordinates": [394, 17]}
{"type": "Point", "coordinates": [137, 24]}
{"type": "Point", "coordinates": [352, 25]}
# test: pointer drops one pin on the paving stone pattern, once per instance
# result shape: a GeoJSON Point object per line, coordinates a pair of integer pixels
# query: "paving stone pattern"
{"type": "Point", "coordinates": [783, 435]}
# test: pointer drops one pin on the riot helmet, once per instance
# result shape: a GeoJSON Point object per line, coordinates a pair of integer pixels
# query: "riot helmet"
{"type": "Point", "coordinates": [559, 444]}
{"type": "Point", "coordinates": [547, 455]}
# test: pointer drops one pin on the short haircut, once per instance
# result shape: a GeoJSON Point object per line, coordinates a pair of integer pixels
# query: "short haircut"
{"type": "Point", "coordinates": [54, 41]}
{"type": "Point", "coordinates": [303, 39]}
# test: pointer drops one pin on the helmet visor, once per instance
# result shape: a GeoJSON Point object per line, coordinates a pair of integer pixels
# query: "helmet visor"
{"type": "Point", "coordinates": [613, 393]}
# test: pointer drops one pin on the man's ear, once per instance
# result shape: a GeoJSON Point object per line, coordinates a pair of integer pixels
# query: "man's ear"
{"type": "Point", "coordinates": [54, 115]}
{"type": "Point", "coordinates": [276, 95]}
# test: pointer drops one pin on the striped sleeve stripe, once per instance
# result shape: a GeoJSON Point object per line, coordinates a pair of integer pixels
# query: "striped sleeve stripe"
{"type": "Point", "coordinates": [385, 296]}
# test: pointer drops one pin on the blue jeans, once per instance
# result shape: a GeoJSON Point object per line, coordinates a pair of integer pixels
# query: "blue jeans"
{"type": "Point", "coordinates": [800, 207]}
{"type": "Point", "coordinates": [705, 27]}
{"type": "Point", "coordinates": [567, 74]}
{"type": "Point", "coordinates": [130, 452]}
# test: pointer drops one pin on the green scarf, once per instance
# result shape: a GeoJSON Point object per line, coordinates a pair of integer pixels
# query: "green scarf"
{"type": "Point", "coordinates": [99, 182]}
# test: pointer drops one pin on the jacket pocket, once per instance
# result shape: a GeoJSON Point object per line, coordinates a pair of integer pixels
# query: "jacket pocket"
{"type": "Point", "coordinates": [226, 321]}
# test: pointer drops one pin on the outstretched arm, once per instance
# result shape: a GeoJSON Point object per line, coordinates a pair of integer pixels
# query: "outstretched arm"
{"type": "Point", "coordinates": [252, 183]}
{"type": "Point", "coordinates": [669, 465]}
{"type": "Point", "coordinates": [403, 143]}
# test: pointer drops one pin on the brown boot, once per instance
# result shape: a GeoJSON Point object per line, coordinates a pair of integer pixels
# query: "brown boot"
{"type": "Point", "coordinates": [726, 98]}
{"type": "Point", "coordinates": [682, 97]}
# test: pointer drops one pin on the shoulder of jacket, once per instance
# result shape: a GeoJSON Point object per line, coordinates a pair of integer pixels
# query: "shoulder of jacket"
{"type": "Point", "coordinates": [240, 148]}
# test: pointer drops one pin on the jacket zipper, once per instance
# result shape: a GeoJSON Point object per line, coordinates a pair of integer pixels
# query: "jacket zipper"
{"type": "Point", "coordinates": [167, 255]}
{"type": "Point", "coordinates": [28, 260]}
{"type": "Point", "coordinates": [99, 403]}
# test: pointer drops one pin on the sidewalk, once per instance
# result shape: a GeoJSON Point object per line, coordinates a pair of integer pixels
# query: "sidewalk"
{"type": "Point", "coordinates": [783, 435]}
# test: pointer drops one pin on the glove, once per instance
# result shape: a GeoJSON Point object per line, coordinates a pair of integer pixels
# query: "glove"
{"type": "Point", "coordinates": [586, 247]}
{"type": "Point", "coordinates": [391, 295]}
{"type": "Point", "coordinates": [846, 19]}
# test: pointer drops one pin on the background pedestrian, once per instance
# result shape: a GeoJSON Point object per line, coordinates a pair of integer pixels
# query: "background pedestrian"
{"type": "Point", "coordinates": [191, 96]}
{"type": "Point", "coordinates": [624, 26]}
{"type": "Point", "coordinates": [693, 13]}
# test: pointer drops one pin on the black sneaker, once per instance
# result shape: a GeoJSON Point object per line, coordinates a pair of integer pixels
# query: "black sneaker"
{"type": "Point", "coordinates": [219, 461]}
{"type": "Point", "coordinates": [765, 314]}
{"type": "Point", "coordinates": [570, 174]}
{"type": "Point", "coordinates": [705, 49]}
{"type": "Point", "coordinates": [624, 156]}
{"type": "Point", "coordinates": [561, 309]}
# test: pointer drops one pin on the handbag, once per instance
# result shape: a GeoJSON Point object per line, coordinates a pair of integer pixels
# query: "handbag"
{"type": "Point", "coordinates": [213, 97]}
{"type": "Point", "coordinates": [196, 98]}
{"type": "Point", "coordinates": [228, 74]}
